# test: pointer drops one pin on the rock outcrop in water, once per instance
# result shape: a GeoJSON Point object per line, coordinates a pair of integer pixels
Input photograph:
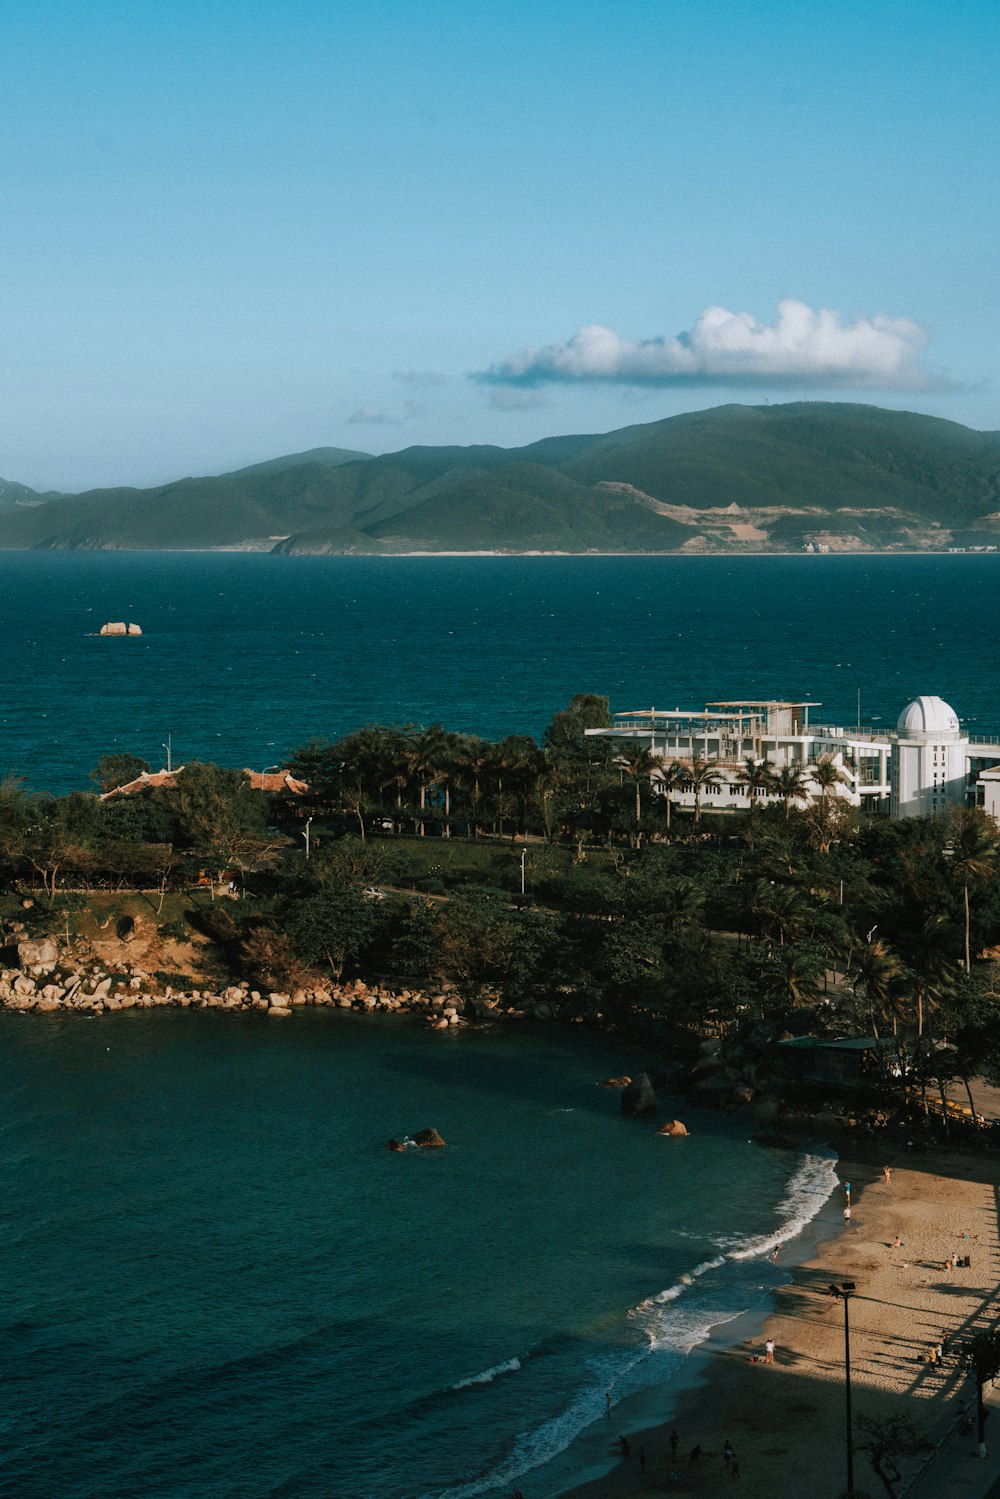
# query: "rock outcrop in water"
{"type": "Point", "coordinates": [119, 627]}
{"type": "Point", "coordinates": [640, 1096]}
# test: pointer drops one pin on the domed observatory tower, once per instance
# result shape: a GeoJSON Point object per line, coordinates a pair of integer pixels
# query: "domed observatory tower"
{"type": "Point", "coordinates": [929, 759]}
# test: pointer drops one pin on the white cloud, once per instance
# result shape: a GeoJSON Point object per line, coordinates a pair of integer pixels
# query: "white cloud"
{"type": "Point", "coordinates": [801, 347]}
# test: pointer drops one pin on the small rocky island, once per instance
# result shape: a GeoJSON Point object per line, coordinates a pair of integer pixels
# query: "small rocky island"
{"type": "Point", "coordinates": [119, 627]}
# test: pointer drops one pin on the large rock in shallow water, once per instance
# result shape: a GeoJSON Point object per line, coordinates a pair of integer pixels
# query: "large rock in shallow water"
{"type": "Point", "coordinates": [673, 1127]}
{"type": "Point", "coordinates": [639, 1097]}
{"type": "Point", "coordinates": [428, 1138]}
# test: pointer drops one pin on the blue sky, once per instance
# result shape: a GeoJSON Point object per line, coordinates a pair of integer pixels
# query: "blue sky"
{"type": "Point", "coordinates": [233, 230]}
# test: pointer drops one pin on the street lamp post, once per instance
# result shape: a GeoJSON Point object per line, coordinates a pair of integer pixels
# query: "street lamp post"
{"type": "Point", "coordinates": [984, 1355]}
{"type": "Point", "coordinates": [523, 853]}
{"type": "Point", "coordinates": [843, 1292]}
{"type": "Point", "coordinates": [306, 835]}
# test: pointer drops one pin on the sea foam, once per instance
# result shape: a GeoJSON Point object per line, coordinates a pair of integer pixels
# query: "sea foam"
{"type": "Point", "coordinates": [509, 1366]}
{"type": "Point", "coordinates": [666, 1328]}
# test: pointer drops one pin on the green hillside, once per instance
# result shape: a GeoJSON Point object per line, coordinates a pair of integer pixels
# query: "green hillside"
{"type": "Point", "coordinates": [328, 457]}
{"type": "Point", "coordinates": [841, 476]}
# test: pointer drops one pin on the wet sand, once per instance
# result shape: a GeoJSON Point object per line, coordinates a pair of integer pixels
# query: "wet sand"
{"type": "Point", "coordinates": [787, 1421]}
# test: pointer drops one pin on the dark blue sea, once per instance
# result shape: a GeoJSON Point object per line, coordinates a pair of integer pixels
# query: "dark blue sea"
{"type": "Point", "coordinates": [214, 1280]}
{"type": "Point", "coordinates": [244, 657]}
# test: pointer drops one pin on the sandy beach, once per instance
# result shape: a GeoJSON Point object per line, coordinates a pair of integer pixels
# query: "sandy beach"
{"type": "Point", "coordinates": [786, 1421]}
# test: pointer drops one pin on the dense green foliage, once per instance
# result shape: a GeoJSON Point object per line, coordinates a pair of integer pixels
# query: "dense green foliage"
{"type": "Point", "coordinates": [528, 872]}
{"type": "Point", "coordinates": [884, 478]}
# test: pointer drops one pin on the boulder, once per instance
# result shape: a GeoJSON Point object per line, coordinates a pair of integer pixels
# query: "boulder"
{"type": "Point", "coordinates": [674, 1128]}
{"type": "Point", "coordinates": [278, 1012]}
{"type": "Point", "coordinates": [639, 1097]}
{"type": "Point", "coordinates": [774, 1140]}
{"type": "Point", "coordinates": [428, 1138]}
{"type": "Point", "coordinates": [42, 952]}
{"type": "Point", "coordinates": [616, 1082]}
{"type": "Point", "coordinates": [114, 627]}
{"type": "Point", "coordinates": [395, 1145]}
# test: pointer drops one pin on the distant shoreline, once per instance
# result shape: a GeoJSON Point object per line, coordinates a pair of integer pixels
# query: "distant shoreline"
{"type": "Point", "coordinates": [236, 551]}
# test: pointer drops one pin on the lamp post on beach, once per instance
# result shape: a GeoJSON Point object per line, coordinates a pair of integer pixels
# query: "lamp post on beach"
{"type": "Point", "coordinates": [984, 1356]}
{"type": "Point", "coordinates": [843, 1292]}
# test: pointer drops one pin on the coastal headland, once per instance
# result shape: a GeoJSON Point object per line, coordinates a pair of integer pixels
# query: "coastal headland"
{"type": "Point", "coordinates": [786, 1421]}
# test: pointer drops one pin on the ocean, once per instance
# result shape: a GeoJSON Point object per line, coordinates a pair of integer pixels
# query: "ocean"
{"type": "Point", "coordinates": [214, 1280]}
{"type": "Point", "coordinates": [244, 657]}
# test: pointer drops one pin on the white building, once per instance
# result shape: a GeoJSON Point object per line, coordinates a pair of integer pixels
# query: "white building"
{"type": "Point", "coordinates": [925, 766]}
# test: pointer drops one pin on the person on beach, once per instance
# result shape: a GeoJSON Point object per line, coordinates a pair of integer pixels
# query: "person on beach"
{"type": "Point", "coordinates": [887, 1174]}
{"type": "Point", "coordinates": [847, 1192]}
{"type": "Point", "coordinates": [727, 1452]}
{"type": "Point", "coordinates": [847, 1216]}
{"type": "Point", "coordinates": [897, 1243]}
{"type": "Point", "coordinates": [775, 1252]}
{"type": "Point", "coordinates": [769, 1351]}
{"type": "Point", "coordinates": [943, 1345]}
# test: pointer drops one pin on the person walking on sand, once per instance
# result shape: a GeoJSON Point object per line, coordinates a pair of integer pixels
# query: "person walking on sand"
{"type": "Point", "coordinates": [847, 1216]}
{"type": "Point", "coordinates": [769, 1351]}
{"type": "Point", "coordinates": [887, 1174]}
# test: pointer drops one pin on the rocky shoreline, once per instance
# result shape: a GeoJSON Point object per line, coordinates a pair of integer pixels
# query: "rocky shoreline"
{"type": "Point", "coordinates": [50, 980]}
{"type": "Point", "coordinates": [732, 1073]}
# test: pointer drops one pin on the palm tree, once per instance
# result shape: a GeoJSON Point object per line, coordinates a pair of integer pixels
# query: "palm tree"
{"type": "Point", "coordinates": [973, 846]}
{"type": "Point", "coordinates": [638, 764]}
{"type": "Point", "coordinates": [791, 784]}
{"type": "Point", "coordinates": [880, 973]}
{"type": "Point", "coordinates": [781, 909]}
{"type": "Point", "coordinates": [668, 778]}
{"type": "Point", "coordinates": [700, 775]}
{"type": "Point", "coordinates": [424, 757]}
{"type": "Point", "coordinates": [758, 776]}
{"type": "Point", "coordinates": [472, 761]}
{"type": "Point", "coordinates": [525, 764]}
{"type": "Point", "coordinates": [827, 774]}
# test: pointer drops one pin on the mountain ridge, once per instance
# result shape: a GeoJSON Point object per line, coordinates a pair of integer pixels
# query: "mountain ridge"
{"type": "Point", "coordinates": [841, 476]}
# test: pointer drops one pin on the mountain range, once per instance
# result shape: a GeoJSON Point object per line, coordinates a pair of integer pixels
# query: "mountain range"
{"type": "Point", "coordinates": [836, 475]}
